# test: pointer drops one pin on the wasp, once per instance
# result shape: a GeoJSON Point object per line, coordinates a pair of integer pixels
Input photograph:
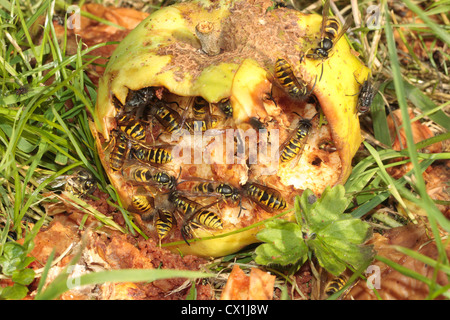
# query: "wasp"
{"type": "Point", "coordinates": [143, 204]}
{"type": "Point", "coordinates": [336, 284]}
{"type": "Point", "coordinates": [151, 175]}
{"type": "Point", "coordinates": [169, 118]}
{"type": "Point", "coordinates": [203, 119]}
{"type": "Point", "coordinates": [267, 198]}
{"type": "Point", "coordinates": [223, 189]}
{"type": "Point", "coordinates": [200, 107]}
{"type": "Point", "coordinates": [136, 102]}
{"type": "Point", "coordinates": [119, 153]}
{"type": "Point", "coordinates": [80, 183]}
{"type": "Point", "coordinates": [140, 98]}
{"type": "Point", "coordinates": [365, 97]}
{"type": "Point", "coordinates": [225, 106]}
{"type": "Point", "coordinates": [285, 76]}
{"type": "Point", "coordinates": [164, 223]}
{"type": "Point", "coordinates": [203, 125]}
{"type": "Point", "coordinates": [330, 33]}
{"type": "Point", "coordinates": [291, 150]}
{"type": "Point", "coordinates": [133, 128]}
{"type": "Point", "coordinates": [154, 155]}
{"type": "Point", "coordinates": [202, 217]}
{"type": "Point", "coordinates": [183, 204]}
{"type": "Point", "coordinates": [217, 189]}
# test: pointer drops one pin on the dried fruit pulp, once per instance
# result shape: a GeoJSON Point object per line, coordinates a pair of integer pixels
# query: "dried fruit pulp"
{"type": "Point", "coordinates": [164, 52]}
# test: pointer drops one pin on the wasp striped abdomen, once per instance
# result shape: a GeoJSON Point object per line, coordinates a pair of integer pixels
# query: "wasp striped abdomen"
{"type": "Point", "coordinates": [296, 144]}
{"type": "Point", "coordinates": [285, 76]}
{"type": "Point", "coordinates": [118, 153]}
{"type": "Point", "coordinates": [155, 155]}
{"type": "Point", "coordinates": [209, 219]}
{"type": "Point", "coordinates": [200, 107]}
{"type": "Point", "coordinates": [267, 198]}
{"type": "Point", "coordinates": [134, 129]}
{"type": "Point", "coordinates": [336, 284]}
{"type": "Point", "coordinates": [185, 205]}
{"type": "Point", "coordinates": [164, 223]}
{"type": "Point", "coordinates": [142, 203]}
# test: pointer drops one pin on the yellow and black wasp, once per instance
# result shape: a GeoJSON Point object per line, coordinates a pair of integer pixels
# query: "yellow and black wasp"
{"type": "Point", "coordinates": [164, 223]}
{"type": "Point", "coordinates": [336, 284]}
{"type": "Point", "coordinates": [330, 33]}
{"type": "Point", "coordinates": [150, 175]}
{"type": "Point", "coordinates": [203, 125]}
{"type": "Point", "coordinates": [202, 119]}
{"type": "Point", "coordinates": [133, 128]}
{"type": "Point", "coordinates": [144, 205]}
{"type": "Point", "coordinates": [119, 152]}
{"type": "Point", "coordinates": [81, 183]}
{"type": "Point", "coordinates": [265, 197]}
{"type": "Point", "coordinates": [222, 189]}
{"type": "Point", "coordinates": [202, 217]}
{"type": "Point", "coordinates": [200, 108]}
{"type": "Point", "coordinates": [183, 204]}
{"type": "Point", "coordinates": [194, 214]}
{"type": "Point", "coordinates": [225, 106]}
{"type": "Point", "coordinates": [287, 79]}
{"type": "Point", "coordinates": [292, 149]}
{"type": "Point", "coordinates": [155, 155]}
{"type": "Point", "coordinates": [168, 117]}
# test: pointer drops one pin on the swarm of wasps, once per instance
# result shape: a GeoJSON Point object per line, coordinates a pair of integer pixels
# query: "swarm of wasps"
{"type": "Point", "coordinates": [144, 165]}
{"type": "Point", "coordinates": [331, 32]}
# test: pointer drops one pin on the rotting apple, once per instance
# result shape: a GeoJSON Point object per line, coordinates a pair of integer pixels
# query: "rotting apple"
{"type": "Point", "coordinates": [225, 52]}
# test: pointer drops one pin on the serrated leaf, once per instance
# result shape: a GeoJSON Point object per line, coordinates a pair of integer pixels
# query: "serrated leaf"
{"type": "Point", "coordinates": [325, 258]}
{"type": "Point", "coordinates": [284, 244]}
{"type": "Point", "coordinates": [341, 242]}
{"type": "Point", "coordinates": [346, 229]}
{"type": "Point", "coordinates": [323, 229]}
{"type": "Point", "coordinates": [328, 209]}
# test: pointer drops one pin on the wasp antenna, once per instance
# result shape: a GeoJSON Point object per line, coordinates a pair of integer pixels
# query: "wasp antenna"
{"type": "Point", "coordinates": [298, 114]}
{"type": "Point", "coordinates": [321, 72]}
{"type": "Point", "coordinates": [317, 113]}
{"type": "Point", "coordinates": [314, 85]}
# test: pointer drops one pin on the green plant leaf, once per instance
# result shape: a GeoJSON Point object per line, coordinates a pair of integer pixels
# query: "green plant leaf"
{"type": "Point", "coordinates": [284, 243]}
{"type": "Point", "coordinates": [14, 292]}
{"type": "Point", "coordinates": [323, 229]}
{"type": "Point", "coordinates": [13, 258]}
{"type": "Point", "coordinates": [317, 214]}
{"type": "Point", "coordinates": [25, 276]}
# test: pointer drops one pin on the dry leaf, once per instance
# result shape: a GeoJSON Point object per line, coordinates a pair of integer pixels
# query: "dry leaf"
{"type": "Point", "coordinates": [259, 285]}
{"type": "Point", "coordinates": [420, 132]}
{"type": "Point", "coordinates": [93, 32]}
{"type": "Point", "coordinates": [393, 284]}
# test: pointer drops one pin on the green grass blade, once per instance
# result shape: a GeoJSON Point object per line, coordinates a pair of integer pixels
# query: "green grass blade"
{"type": "Point", "coordinates": [438, 30]}
{"type": "Point", "coordinates": [63, 283]}
{"type": "Point", "coordinates": [433, 212]}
